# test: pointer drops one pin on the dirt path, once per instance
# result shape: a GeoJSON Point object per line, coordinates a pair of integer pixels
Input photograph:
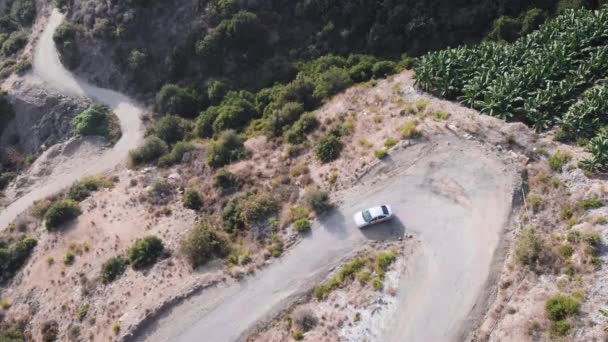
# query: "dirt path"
{"type": "Point", "coordinates": [48, 68]}
{"type": "Point", "coordinates": [454, 195]}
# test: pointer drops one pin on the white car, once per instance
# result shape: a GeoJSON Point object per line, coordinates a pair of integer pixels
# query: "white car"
{"type": "Point", "coordinates": [373, 215]}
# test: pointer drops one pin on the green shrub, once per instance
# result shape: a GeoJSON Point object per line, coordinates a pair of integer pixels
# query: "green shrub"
{"type": "Point", "coordinates": [558, 160]}
{"type": "Point", "coordinates": [227, 149]}
{"type": "Point", "coordinates": [234, 113]}
{"type": "Point", "coordinates": [231, 216]}
{"type": "Point", "coordinates": [275, 246]}
{"type": "Point", "coordinates": [65, 40]}
{"type": "Point", "coordinates": [161, 189]}
{"type": "Point", "coordinates": [566, 251]}
{"type": "Point", "coordinates": [176, 155]}
{"type": "Point", "coordinates": [216, 90]}
{"type": "Point", "coordinates": [560, 328]}
{"type": "Point", "coordinates": [590, 203]}
{"type": "Point", "coordinates": [13, 255]}
{"type": "Point", "coordinates": [406, 62]}
{"type": "Point", "coordinates": [302, 225]}
{"type": "Point", "coordinates": [203, 127]}
{"type": "Point", "coordinates": [380, 154]}
{"type": "Point", "coordinates": [593, 239]}
{"type": "Point", "coordinates": [505, 28]}
{"type": "Point", "coordinates": [258, 207]}
{"type": "Point", "coordinates": [331, 82]}
{"type": "Point", "coordinates": [296, 134]}
{"type": "Point", "coordinates": [60, 213]}
{"type": "Point", "coordinates": [346, 273]}
{"type": "Point", "coordinates": [145, 252]}
{"type": "Point", "coordinates": [560, 307]}
{"type": "Point", "coordinates": [409, 130]}
{"type": "Point", "coordinates": [137, 60]}
{"type": "Point", "coordinates": [83, 189]}
{"type": "Point", "coordinates": [318, 201]}
{"type": "Point", "coordinates": [39, 208]}
{"type": "Point", "coordinates": [239, 257]}
{"type": "Point", "coordinates": [172, 99]}
{"type": "Point", "coordinates": [328, 148]}
{"type": "Point", "coordinates": [152, 149]}
{"type": "Point", "coordinates": [24, 11]}
{"type": "Point", "coordinates": [532, 19]}
{"type": "Point", "coordinates": [297, 335]}
{"type": "Point", "coordinates": [112, 269]}
{"type": "Point", "coordinates": [390, 142]}
{"type": "Point", "coordinates": [82, 312]}
{"type": "Point", "coordinates": [93, 121]}
{"type": "Point", "coordinates": [171, 129]}
{"type": "Point", "coordinates": [115, 328]}
{"type": "Point", "coordinates": [564, 5]}
{"type": "Point", "coordinates": [278, 120]}
{"type": "Point", "coordinates": [224, 180]}
{"type": "Point", "coordinates": [201, 244]}
{"type": "Point", "coordinates": [193, 200]}
{"type": "Point", "coordinates": [69, 258]}
{"type": "Point", "coordinates": [384, 260]}
{"type": "Point", "coordinates": [383, 68]}
{"type": "Point", "coordinates": [14, 43]}
{"type": "Point", "coordinates": [528, 247]}
{"type": "Point", "coordinates": [377, 284]}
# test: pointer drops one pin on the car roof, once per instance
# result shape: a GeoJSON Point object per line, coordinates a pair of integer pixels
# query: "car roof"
{"type": "Point", "coordinates": [376, 211]}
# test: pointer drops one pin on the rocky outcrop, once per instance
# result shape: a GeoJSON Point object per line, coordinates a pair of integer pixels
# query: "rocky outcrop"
{"type": "Point", "coordinates": [42, 118]}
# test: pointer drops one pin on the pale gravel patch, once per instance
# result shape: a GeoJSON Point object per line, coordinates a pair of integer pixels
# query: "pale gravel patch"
{"type": "Point", "coordinates": [377, 312]}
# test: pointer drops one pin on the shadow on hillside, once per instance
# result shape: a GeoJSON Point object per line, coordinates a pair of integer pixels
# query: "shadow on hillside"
{"type": "Point", "coordinates": [335, 223]}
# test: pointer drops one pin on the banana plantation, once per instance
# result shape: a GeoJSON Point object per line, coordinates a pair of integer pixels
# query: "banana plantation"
{"type": "Point", "coordinates": [553, 76]}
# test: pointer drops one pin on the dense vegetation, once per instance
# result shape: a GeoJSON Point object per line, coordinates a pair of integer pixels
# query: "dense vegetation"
{"type": "Point", "coordinates": [537, 79]}
{"type": "Point", "coordinates": [9, 163]}
{"type": "Point", "coordinates": [254, 44]}
{"type": "Point", "coordinates": [13, 254]}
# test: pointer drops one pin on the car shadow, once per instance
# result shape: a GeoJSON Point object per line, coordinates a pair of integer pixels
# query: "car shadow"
{"type": "Point", "coordinates": [391, 230]}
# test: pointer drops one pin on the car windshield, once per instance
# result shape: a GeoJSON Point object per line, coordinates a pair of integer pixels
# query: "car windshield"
{"type": "Point", "coordinates": [367, 216]}
{"type": "Point", "coordinates": [385, 210]}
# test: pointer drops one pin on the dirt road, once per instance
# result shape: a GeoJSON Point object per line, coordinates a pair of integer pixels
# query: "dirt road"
{"type": "Point", "coordinates": [454, 195]}
{"type": "Point", "coordinates": [47, 67]}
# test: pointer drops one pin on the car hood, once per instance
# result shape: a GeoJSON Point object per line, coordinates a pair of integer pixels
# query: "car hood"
{"type": "Point", "coordinates": [358, 217]}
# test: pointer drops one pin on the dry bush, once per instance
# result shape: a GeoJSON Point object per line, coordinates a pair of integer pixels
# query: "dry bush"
{"type": "Point", "coordinates": [304, 319]}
